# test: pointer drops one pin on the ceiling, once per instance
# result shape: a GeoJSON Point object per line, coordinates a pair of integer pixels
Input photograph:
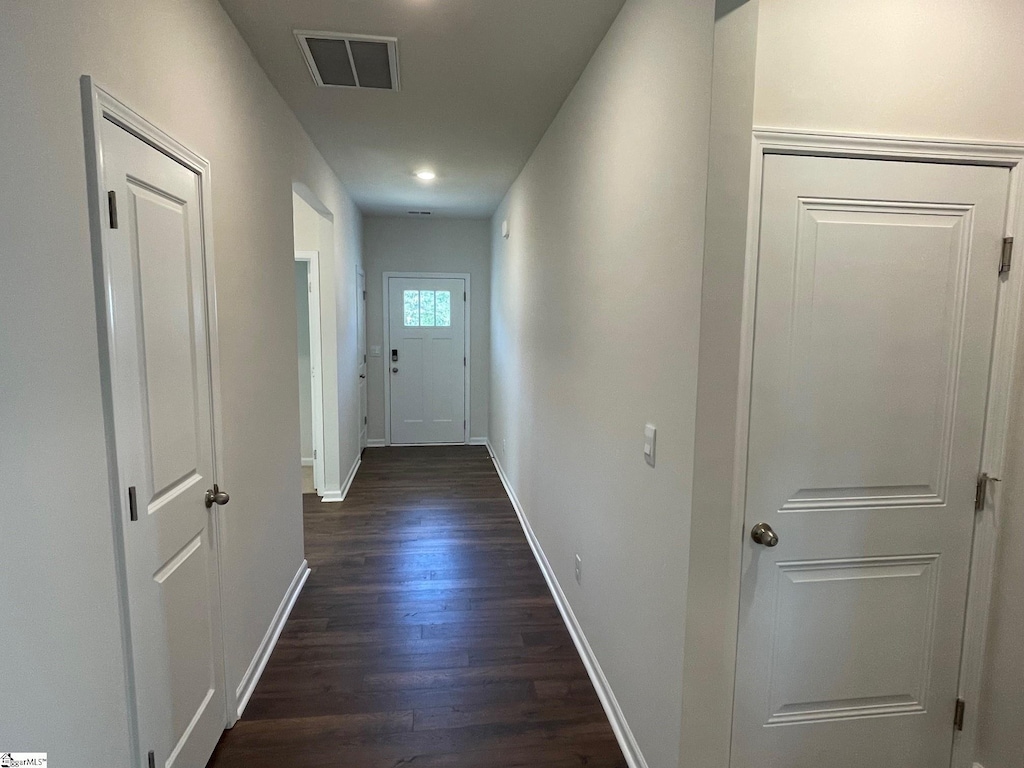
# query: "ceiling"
{"type": "Point", "coordinates": [481, 80]}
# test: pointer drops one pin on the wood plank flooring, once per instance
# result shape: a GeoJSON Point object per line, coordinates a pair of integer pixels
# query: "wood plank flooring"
{"type": "Point", "coordinates": [425, 637]}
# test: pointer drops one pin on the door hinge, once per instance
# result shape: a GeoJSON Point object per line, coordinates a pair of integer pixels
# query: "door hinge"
{"type": "Point", "coordinates": [981, 491]}
{"type": "Point", "coordinates": [364, 419]}
{"type": "Point", "coordinates": [463, 362]}
{"type": "Point", "coordinates": [310, 286]}
{"type": "Point", "coordinates": [364, 359]}
{"type": "Point", "coordinates": [314, 454]}
{"type": "Point", "coordinates": [958, 714]}
{"type": "Point", "coordinates": [364, 295]}
{"type": "Point", "coordinates": [1007, 257]}
{"type": "Point", "coordinates": [133, 504]}
{"type": "Point", "coordinates": [152, 759]}
{"type": "Point", "coordinates": [463, 295]}
{"type": "Point", "coordinates": [112, 208]}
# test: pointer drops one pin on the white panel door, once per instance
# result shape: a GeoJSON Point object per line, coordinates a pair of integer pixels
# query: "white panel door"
{"type": "Point", "coordinates": [426, 360]}
{"type": "Point", "coordinates": [361, 320]}
{"type": "Point", "coordinates": [163, 421]}
{"type": "Point", "coordinates": [875, 308]}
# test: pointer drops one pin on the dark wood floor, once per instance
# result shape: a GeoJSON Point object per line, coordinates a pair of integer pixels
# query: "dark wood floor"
{"type": "Point", "coordinates": [425, 636]}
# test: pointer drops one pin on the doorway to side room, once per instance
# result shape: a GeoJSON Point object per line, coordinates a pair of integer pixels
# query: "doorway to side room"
{"type": "Point", "coordinates": [310, 359]}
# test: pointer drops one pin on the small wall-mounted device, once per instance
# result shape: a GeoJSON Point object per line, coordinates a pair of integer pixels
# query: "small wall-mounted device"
{"type": "Point", "coordinates": [394, 355]}
{"type": "Point", "coordinates": [649, 437]}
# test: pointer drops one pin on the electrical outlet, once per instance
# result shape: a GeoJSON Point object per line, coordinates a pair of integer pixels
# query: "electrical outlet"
{"type": "Point", "coordinates": [579, 569]}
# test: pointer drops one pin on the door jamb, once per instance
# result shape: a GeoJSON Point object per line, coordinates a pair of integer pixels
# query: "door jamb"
{"type": "Point", "coordinates": [312, 259]}
{"type": "Point", "coordinates": [386, 302]}
{"type": "Point", "coordinates": [1006, 341]}
{"type": "Point", "coordinates": [361, 307]}
{"type": "Point", "coordinates": [98, 104]}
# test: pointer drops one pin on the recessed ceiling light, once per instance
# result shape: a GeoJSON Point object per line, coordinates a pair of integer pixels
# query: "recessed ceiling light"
{"type": "Point", "coordinates": [426, 175]}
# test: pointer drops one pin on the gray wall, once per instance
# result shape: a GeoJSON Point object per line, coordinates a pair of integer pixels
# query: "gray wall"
{"type": "Point", "coordinates": [400, 244]}
{"type": "Point", "coordinates": [595, 316]}
{"type": "Point", "coordinates": [183, 65]}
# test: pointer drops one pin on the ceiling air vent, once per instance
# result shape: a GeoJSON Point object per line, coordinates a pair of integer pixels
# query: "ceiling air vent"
{"type": "Point", "coordinates": [350, 61]}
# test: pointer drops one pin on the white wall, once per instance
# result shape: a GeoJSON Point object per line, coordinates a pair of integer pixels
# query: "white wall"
{"type": "Point", "coordinates": [711, 612]}
{"type": "Point", "coordinates": [305, 367]}
{"type": "Point", "coordinates": [400, 244]}
{"type": "Point", "coordinates": [942, 68]}
{"type": "Point", "coordinates": [181, 64]}
{"type": "Point", "coordinates": [595, 316]}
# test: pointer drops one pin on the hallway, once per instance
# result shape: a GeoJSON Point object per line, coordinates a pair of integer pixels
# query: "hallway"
{"type": "Point", "coordinates": [424, 636]}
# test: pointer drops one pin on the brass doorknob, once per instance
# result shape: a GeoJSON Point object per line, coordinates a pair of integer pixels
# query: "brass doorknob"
{"type": "Point", "coordinates": [763, 534]}
{"type": "Point", "coordinates": [216, 496]}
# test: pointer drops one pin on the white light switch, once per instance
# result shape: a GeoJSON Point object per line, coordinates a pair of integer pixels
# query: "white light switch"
{"type": "Point", "coordinates": [649, 435]}
{"type": "Point", "coordinates": [375, 351]}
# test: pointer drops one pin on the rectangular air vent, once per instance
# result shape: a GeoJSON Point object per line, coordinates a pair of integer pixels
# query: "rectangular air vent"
{"type": "Point", "coordinates": [350, 61]}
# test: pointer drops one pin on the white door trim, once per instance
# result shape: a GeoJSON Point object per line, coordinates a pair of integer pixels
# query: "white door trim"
{"type": "Point", "coordinates": [98, 105]}
{"type": "Point", "coordinates": [386, 357]}
{"type": "Point", "coordinates": [312, 259]}
{"type": "Point", "coordinates": [361, 306]}
{"type": "Point", "coordinates": [1011, 297]}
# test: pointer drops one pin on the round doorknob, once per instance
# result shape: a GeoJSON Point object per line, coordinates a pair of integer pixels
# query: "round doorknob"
{"type": "Point", "coordinates": [762, 533]}
{"type": "Point", "coordinates": [394, 370]}
{"type": "Point", "coordinates": [362, 375]}
{"type": "Point", "coordinates": [216, 496]}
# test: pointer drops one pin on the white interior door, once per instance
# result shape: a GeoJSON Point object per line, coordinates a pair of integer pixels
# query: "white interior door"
{"type": "Point", "coordinates": [163, 421]}
{"type": "Point", "coordinates": [427, 359]}
{"type": "Point", "coordinates": [876, 292]}
{"type": "Point", "coordinates": [361, 286]}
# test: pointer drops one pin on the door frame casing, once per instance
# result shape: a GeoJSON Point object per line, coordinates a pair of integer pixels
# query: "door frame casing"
{"type": "Point", "coordinates": [98, 104]}
{"type": "Point", "coordinates": [386, 358]}
{"type": "Point", "coordinates": [771, 141]}
{"type": "Point", "coordinates": [361, 306]}
{"type": "Point", "coordinates": [312, 260]}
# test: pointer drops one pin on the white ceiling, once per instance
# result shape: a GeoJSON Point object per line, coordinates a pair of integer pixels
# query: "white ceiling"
{"type": "Point", "coordinates": [481, 81]}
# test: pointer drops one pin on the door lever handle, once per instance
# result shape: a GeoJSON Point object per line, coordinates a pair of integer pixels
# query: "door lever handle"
{"type": "Point", "coordinates": [362, 375]}
{"type": "Point", "coordinates": [216, 496]}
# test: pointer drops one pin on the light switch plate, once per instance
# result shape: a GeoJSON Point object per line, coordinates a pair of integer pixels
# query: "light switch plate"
{"type": "Point", "coordinates": [375, 351]}
{"type": "Point", "coordinates": [650, 433]}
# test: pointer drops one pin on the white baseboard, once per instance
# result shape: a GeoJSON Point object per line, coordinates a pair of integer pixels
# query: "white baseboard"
{"type": "Point", "coordinates": [623, 734]}
{"type": "Point", "coordinates": [375, 443]}
{"type": "Point", "coordinates": [478, 441]}
{"type": "Point", "coordinates": [307, 462]}
{"type": "Point", "coordinates": [259, 662]}
{"type": "Point", "coordinates": [978, 765]}
{"type": "Point", "coordinates": [339, 495]}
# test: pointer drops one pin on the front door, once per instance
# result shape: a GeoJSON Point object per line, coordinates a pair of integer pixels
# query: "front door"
{"type": "Point", "coordinates": [427, 360]}
{"type": "Point", "coordinates": [163, 413]}
{"type": "Point", "coordinates": [875, 308]}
